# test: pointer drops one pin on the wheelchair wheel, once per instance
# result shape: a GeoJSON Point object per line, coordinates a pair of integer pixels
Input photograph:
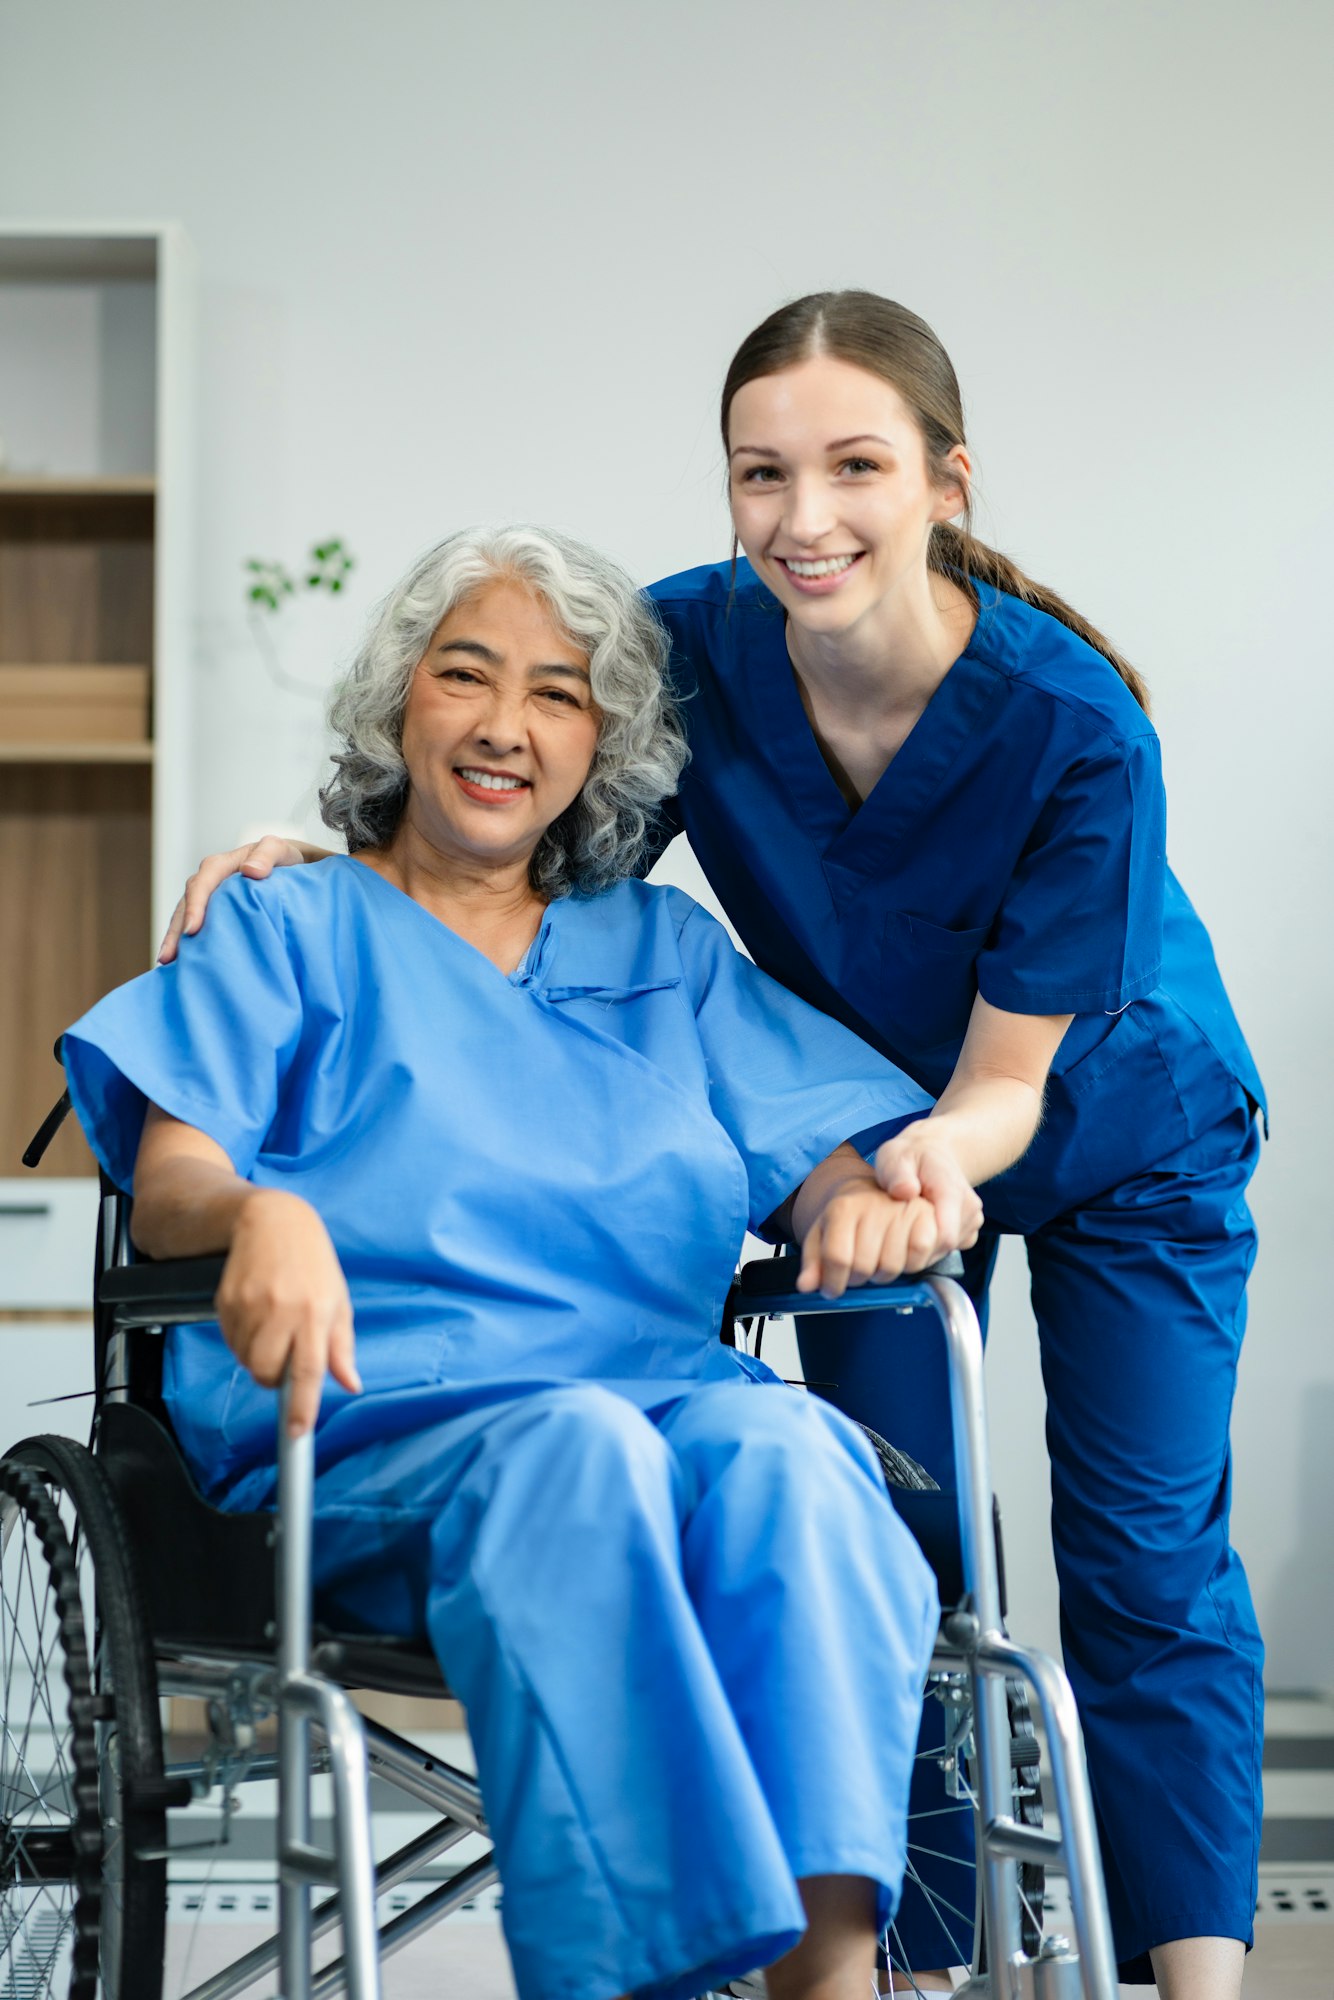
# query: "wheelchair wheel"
{"type": "Point", "coordinates": [941, 1854]}
{"type": "Point", "coordinates": [50, 1833]}
{"type": "Point", "coordinates": [129, 1794]}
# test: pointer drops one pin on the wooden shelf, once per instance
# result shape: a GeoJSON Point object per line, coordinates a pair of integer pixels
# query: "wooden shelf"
{"type": "Point", "coordinates": [76, 753]}
{"type": "Point", "coordinates": [96, 611]}
{"type": "Point", "coordinates": [127, 486]}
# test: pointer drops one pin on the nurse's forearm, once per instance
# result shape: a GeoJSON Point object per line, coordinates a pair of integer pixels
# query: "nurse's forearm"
{"type": "Point", "coordinates": [992, 1105]}
{"type": "Point", "coordinates": [987, 1124]}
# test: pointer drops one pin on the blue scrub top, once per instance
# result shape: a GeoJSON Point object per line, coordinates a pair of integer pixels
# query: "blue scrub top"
{"type": "Point", "coordinates": [528, 1179]}
{"type": "Point", "coordinates": [1015, 847]}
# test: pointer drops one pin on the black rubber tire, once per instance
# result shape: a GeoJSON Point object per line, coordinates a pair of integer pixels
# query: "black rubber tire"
{"type": "Point", "coordinates": [133, 1814]}
{"type": "Point", "coordinates": [39, 1587]}
{"type": "Point", "coordinates": [1024, 1756]}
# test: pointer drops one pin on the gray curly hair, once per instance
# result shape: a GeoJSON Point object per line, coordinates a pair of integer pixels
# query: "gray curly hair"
{"type": "Point", "coordinates": [600, 838]}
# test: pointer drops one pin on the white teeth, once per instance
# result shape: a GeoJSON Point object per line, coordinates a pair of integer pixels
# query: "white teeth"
{"type": "Point", "coordinates": [828, 566]}
{"type": "Point", "coordinates": [491, 781]}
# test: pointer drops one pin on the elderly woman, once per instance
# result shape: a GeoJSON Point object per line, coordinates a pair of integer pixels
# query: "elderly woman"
{"type": "Point", "coordinates": [515, 1111]}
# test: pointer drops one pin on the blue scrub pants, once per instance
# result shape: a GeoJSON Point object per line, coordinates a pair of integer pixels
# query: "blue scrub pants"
{"type": "Point", "coordinates": [691, 1645]}
{"type": "Point", "coordinates": [1140, 1303]}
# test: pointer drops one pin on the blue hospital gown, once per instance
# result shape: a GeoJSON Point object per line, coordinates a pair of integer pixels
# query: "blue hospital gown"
{"type": "Point", "coordinates": [687, 1626]}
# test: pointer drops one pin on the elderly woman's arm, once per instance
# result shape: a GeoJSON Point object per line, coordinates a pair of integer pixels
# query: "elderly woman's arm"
{"type": "Point", "coordinates": [283, 1301]}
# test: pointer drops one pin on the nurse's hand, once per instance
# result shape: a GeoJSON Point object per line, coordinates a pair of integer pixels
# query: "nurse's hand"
{"type": "Point", "coordinates": [921, 1162]}
{"type": "Point", "coordinates": [255, 860]}
{"type": "Point", "coordinates": [283, 1303]}
{"type": "Point", "coordinates": [864, 1237]}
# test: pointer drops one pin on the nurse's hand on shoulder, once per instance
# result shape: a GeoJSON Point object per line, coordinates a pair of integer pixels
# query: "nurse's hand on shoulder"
{"type": "Point", "coordinates": [255, 860]}
{"type": "Point", "coordinates": [283, 1303]}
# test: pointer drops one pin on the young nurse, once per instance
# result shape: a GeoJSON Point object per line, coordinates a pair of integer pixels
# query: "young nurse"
{"type": "Point", "coordinates": [928, 795]}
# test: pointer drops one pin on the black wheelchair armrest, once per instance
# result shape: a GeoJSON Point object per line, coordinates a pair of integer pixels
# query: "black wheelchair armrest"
{"type": "Point", "coordinates": [769, 1285]}
{"type": "Point", "coordinates": [177, 1293]}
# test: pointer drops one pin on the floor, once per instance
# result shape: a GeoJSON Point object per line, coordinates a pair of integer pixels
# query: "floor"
{"type": "Point", "coordinates": [217, 1913]}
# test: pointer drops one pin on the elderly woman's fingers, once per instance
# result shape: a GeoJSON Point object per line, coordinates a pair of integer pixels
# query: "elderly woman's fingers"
{"type": "Point", "coordinates": [808, 1277]}
{"type": "Point", "coordinates": [827, 1253]}
{"type": "Point", "coordinates": [342, 1352]}
{"type": "Point", "coordinates": [838, 1248]}
{"type": "Point", "coordinates": [306, 1370]}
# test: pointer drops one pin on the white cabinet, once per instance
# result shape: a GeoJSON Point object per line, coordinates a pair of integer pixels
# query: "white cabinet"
{"type": "Point", "coordinates": [47, 1230]}
{"type": "Point", "coordinates": [46, 1378]}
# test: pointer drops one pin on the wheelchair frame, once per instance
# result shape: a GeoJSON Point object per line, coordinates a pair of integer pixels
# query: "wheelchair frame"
{"type": "Point", "coordinates": [300, 1681]}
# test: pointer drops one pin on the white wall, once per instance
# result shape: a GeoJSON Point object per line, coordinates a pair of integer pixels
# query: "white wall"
{"type": "Point", "coordinates": [490, 261]}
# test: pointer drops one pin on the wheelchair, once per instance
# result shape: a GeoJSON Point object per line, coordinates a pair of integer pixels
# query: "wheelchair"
{"type": "Point", "coordinates": [120, 1586]}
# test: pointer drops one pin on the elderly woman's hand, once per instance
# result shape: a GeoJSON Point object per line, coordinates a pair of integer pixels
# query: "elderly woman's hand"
{"type": "Point", "coordinates": [863, 1236]}
{"type": "Point", "coordinates": [283, 1303]}
{"type": "Point", "coordinates": [283, 1299]}
{"type": "Point", "coordinates": [854, 1231]}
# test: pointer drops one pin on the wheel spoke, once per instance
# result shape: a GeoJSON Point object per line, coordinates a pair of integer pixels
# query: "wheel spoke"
{"type": "Point", "coordinates": [939, 1854]}
{"type": "Point", "coordinates": [43, 1742]}
{"type": "Point", "coordinates": [939, 1903]}
{"type": "Point", "coordinates": [899, 1963]}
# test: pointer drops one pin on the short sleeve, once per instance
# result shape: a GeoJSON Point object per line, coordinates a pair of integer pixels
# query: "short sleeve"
{"type": "Point", "coordinates": [1081, 925]}
{"type": "Point", "coordinates": [208, 1038]}
{"type": "Point", "coordinates": [787, 1083]}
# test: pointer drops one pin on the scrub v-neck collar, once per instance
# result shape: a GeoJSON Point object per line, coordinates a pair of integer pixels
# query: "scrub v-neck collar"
{"type": "Point", "coordinates": [855, 841]}
{"type": "Point", "coordinates": [525, 973]}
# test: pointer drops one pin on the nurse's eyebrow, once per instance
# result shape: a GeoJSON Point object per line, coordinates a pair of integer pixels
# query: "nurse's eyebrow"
{"type": "Point", "coordinates": [838, 444]}
{"type": "Point", "coordinates": [862, 437]}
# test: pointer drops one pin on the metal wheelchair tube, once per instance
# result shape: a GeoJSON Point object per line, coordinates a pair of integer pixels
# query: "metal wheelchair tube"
{"type": "Point", "coordinates": [301, 1697]}
{"type": "Point", "coordinates": [438, 1903]}
{"type": "Point", "coordinates": [293, 1537]}
{"type": "Point", "coordinates": [425, 1777]}
{"type": "Point", "coordinates": [1074, 1807]}
{"type": "Point", "coordinates": [397, 1867]}
{"type": "Point", "coordinates": [972, 1472]}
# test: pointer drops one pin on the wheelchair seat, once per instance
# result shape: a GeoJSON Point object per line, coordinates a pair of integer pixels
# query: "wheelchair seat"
{"type": "Point", "coordinates": [207, 1576]}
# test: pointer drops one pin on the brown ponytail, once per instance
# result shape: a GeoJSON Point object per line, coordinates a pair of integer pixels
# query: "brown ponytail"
{"type": "Point", "coordinates": [889, 341]}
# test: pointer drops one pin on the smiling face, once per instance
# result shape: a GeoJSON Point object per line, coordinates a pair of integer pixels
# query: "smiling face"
{"type": "Point", "coordinates": [832, 498]}
{"type": "Point", "coordinates": [499, 729]}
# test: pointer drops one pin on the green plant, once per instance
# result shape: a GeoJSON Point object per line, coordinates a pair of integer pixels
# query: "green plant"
{"type": "Point", "coordinates": [327, 568]}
